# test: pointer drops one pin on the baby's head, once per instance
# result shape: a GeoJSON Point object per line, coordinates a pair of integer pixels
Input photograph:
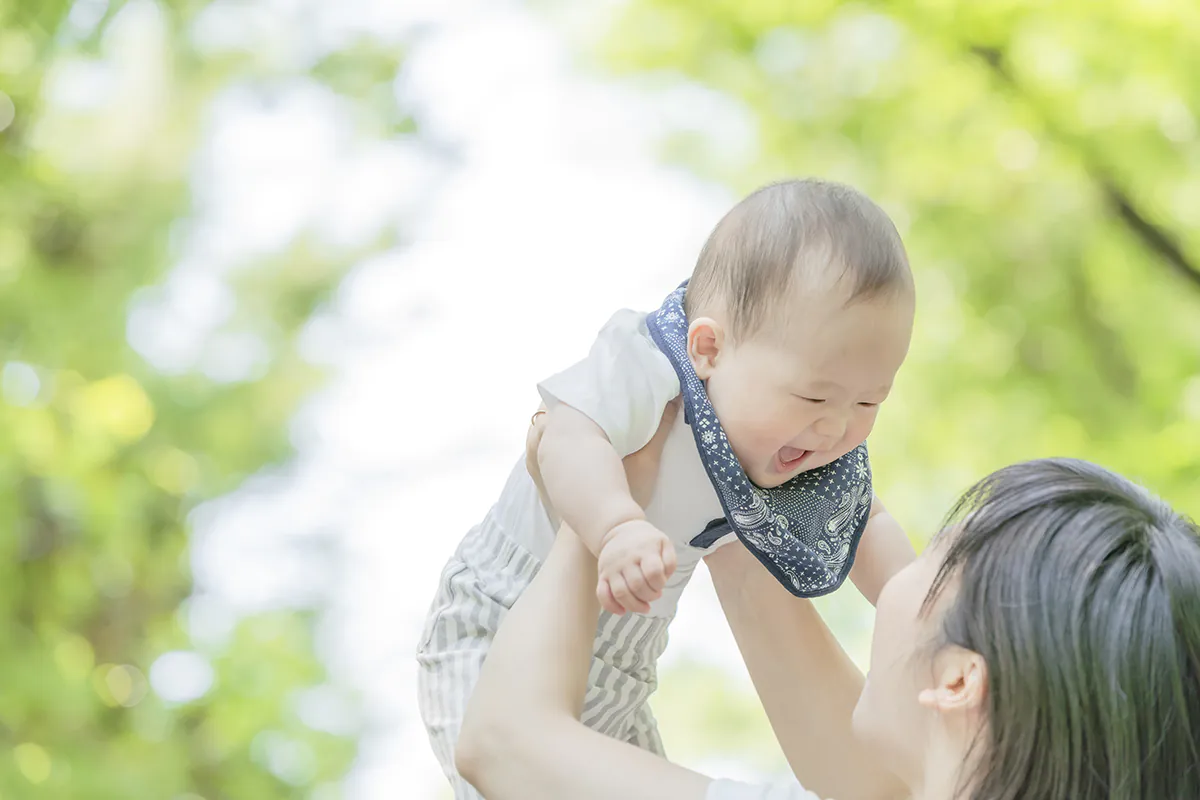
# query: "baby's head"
{"type": "Point", "coordinates": [800, 312]}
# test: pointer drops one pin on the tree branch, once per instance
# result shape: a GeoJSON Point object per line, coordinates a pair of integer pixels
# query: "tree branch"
{"type": "Point", "coordinates": [1153, 236]}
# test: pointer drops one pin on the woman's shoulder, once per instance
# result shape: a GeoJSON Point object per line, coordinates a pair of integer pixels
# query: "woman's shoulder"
{"type": "Point", "coordinates": [736, 790]}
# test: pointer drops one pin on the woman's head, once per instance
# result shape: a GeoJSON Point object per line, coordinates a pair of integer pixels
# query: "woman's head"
{"type": "Point", "coordinates": [1052, 635]}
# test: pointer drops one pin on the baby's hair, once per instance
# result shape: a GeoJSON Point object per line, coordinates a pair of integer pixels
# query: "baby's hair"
{"type": "Point", "coordinates": [826, 232]}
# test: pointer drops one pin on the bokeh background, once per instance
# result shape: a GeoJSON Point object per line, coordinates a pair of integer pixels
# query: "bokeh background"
{"type": "Point", "coordinates": [278, 277]}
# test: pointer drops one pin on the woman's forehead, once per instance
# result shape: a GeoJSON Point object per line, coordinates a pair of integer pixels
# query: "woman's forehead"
{"type": "Point", "coordinates": [938, 589]}
{"type": "Point", "coordinates": [943, 538]}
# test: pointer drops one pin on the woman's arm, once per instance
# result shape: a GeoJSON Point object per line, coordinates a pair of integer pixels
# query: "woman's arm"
{"type": "Point", "coordinates": [521, 737]}
{"type": "Point", "coordinates": [806, 682]}
{"type": "Point", "coordinates": [883, 551]}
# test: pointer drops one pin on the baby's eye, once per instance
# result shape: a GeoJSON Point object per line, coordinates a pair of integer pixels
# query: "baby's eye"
{"type": "Point", "coordinates": [869, 405]}
{"type": "Point", "coordinates": [811, 399]}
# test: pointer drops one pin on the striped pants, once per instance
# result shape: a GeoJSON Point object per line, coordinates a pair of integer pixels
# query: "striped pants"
{"type": "Point", "coordinates": [479, 584]}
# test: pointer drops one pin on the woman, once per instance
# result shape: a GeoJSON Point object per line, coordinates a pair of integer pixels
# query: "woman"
{"type": "Point", "coordinates": [1045, 645]}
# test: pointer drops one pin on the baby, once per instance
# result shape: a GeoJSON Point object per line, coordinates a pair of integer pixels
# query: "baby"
{"type": "Point", "coordinates": [783, 345]}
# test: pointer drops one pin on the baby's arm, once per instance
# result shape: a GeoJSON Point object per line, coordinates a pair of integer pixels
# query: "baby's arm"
{"type": "Point", "coordinates": [585, 483]}
{"type": "Point", "coordinates": [883, 551]}
{"type": "Point", "coordinates": [583, 476]}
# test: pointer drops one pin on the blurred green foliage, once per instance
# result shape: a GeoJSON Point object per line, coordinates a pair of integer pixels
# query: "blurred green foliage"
{"type": "Point", "coordinates": [101, 456]}
{"type": "Point", "coordinates": [1043, 163]}
{"type": "Point", "coordinates": [1040, 158]}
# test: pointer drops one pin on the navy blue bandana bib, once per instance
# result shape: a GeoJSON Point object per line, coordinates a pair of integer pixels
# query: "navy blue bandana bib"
{"type": "Point", "coordinates": [804, 532]}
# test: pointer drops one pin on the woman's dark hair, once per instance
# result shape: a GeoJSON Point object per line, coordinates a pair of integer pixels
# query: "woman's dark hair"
{"type": "Point", "coordinates": [1081, 591]}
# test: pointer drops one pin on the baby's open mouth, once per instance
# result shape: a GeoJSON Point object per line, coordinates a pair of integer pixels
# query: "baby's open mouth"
{"type": "Point", "coordinates": [789, 458]}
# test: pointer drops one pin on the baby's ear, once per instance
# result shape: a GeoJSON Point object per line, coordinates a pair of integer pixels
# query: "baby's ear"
{"type": "Point", "coordinates": [706, 337]}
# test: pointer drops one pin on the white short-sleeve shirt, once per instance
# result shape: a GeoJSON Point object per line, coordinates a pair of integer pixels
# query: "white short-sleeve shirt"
{"type": "Point", "coordinates": [736, 790]}
{"type": "Point", "coordinates": [623, 385]}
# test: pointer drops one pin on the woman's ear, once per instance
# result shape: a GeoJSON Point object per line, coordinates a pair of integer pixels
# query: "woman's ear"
{"type": "Point", "coordinates": [960, 682]}
{"type": "Point", "coordinates": [706, 339]}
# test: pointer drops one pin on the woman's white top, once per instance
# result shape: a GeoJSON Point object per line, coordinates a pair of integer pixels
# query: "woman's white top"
{"type": "Point", "coordinates": [736, 790]}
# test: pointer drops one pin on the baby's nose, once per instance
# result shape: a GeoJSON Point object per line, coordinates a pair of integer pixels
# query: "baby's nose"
{"type": "Point", "coordinates": [830, 429]}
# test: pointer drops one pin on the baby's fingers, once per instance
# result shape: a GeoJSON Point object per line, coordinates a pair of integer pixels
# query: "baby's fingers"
{"type": "Point", "coordinates": [605, 595]}
{"type": "Point", "coordinates": [636, 581]}
{"type": "Point", "coordinates": [655, 573]}
{"type": "Point", "coordinates": [625, 596]}
{"type": "Point", "coordinates": [668, 558]}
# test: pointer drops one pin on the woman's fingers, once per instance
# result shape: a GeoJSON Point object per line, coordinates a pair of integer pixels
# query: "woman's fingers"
{"type": "Point", "coordinates": [533, 438]}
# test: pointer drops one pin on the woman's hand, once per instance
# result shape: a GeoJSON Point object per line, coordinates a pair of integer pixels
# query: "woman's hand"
{"type": "Point", "coordinates": [533, 439]}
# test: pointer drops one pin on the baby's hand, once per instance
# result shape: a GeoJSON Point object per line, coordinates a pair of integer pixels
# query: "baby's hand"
{"type": "Point", "coordinates": [634, 564]}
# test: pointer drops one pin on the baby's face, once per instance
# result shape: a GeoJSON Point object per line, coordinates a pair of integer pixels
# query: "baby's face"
{"type": "Point", "coordinates": [806, 391]}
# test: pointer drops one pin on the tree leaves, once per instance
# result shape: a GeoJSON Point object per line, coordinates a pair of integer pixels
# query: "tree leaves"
{"type": "Point", "coordinates": [104, 456]}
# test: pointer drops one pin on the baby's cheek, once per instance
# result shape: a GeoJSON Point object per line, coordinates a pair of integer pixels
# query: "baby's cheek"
{"type": "Point", "coordinates": [860, 429]}
{"type": "Point", "coordinates": [759, 427]}
{"type": "Point", "coordinates": [751, 442]}
{"type": "Point", "coordinates": [768, 440]}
